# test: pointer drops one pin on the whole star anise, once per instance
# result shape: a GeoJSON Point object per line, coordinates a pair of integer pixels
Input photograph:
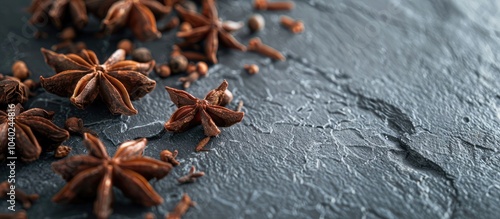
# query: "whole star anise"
{"type": "Point", "coordinates": [81, 77]}
{"type": "Point", "coordinates": [207, 112]}
{"type": "Point", "coordinates": [34, 129]}
{"type": "Point", "coordinates": [207, 26]}
{"type": "Point", "coordinates": [57, 9]}
{"type": "Point", "coordinates": [139, 15]}
{"type": "Point", "coordinates": [95, 174]}
{"type": "Point", "coordinates": [12, 90]}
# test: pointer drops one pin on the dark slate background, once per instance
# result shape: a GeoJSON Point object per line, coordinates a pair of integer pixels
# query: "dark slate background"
{"type": "Point", "coordinates": [386, 109]}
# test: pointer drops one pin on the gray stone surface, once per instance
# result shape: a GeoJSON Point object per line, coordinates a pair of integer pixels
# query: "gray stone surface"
{"type": "Point", "coordinates": [384, 109]}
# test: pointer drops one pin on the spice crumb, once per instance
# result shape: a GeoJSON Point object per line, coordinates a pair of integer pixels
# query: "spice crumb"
{"type": "Point", "coordinates": [181, 208]}
{"type": "Point", "coordinates": [251, 69]}
{"type": "Point", "coordinates": [62, 151]}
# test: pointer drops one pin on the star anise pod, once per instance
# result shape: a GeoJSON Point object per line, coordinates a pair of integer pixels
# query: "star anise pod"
{"type": "Point", "coordinates": [95, 175]}
{"type": "Point", "coordinates": [139, 15]}
{"type": "Point", "coordinates": [34, 129]}
{"type": "Point", "coordinates": [207, 112]}
{"type": "Point", "coordinates": [12, 90]}
{"type": "Point", "coordinates": [81, 77]}
{"type": "Point", "coordinates": [207, 26]}
{"type": "Point", "coordinates": [57, 10]}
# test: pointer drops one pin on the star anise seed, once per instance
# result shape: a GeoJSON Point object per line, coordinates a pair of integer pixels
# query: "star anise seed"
{"type": "Point", "coordinates": [81, 77]}
{"type": "Point", "coordinates": [95, 175]}
{"type": "Point", "coordinates": [139, 15]}
{"type": "Point", "coordinates": [34, 129]}
{"type": "Point", "coordinates": [207, 26]}
{"type": "Point", "coordinates": [12, 90]}
{"type": "Point", "coordinates": [207, 112]}
{"type": "Point", "coordinates": [57, 9]}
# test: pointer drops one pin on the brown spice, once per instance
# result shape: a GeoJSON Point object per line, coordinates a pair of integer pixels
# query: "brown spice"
{"type": "Point", "coordinates": [181, 208]}
{"type": "Point", "coordinates": [191, 68]}
{"type": "Point", "coordinates": [193, 111]}
{"type": "Point", "coordinates": [95, 175]}
{"type": "Point", "coordinates": [169, 157]}
{"type": "Point", "coordinates": [67, 34]}
{"type": "Point", "coordinates": [202, 144]}
{"type": "Point", "coordinates": [75, 125]}
{"type": "Point", "coordinates": [56, 10]}
{"type": "Point", "coordinates": [191, 176]}
{"type": "Point", "coordinates": [296, 26]}
{"type": "Point", "coordinates": [240, 106]}
{"type": "Point", "coordinates": [16, 215]}
{"type": "Point", "coordinates": [273, 6]}
{"type": "Point", "coordinates": [126, 45]}
{"type": "Point", "coordinates": [188, 80]}
{"type": "Point", "coordinates": [256, 45]}
{"type": "Point", "coordinates": [62, 151]}
{"type": "Point", "coordinates": [185, 26]}
{"type": "Point", "coordinates": [163, 70]}
{"type": "Point", "coordinates": [228, 98]}
{"type": "Point", "coordinates": [202, 68]}
{"type": "Point", "coordinates": [251, 69]}
{"type": "Point", "coordinates": [35, 132]}
{"type": "Point", "coordinates": [149, 215]}
{"type": "Point", "coordinates": [142, 55]}
{"type": "Point", "coordinates": [21, 196]}
{"type": "Point", "coordinates": [256, 23]}
{"type": "Point", "coordinates": [173, 23]}
{"type": "Point", "coordinates": [20, 70]}
{"type": "Point", "coordinates": [32, 85]}
{"type": "Point", "coordinates": [117, 82]}
{"type": "Point", "coordinates": [178, 63]}
{"type": "Point", "coordinates": [231, 26]}
{"type": "Point", "coordinates": [40, 35]}
{"type": "Point", "coordinates": [12, 90]}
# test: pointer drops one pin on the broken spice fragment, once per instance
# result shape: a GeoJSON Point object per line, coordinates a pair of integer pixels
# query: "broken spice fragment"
{"type": "Point", "coordinates": [169, 157]}
{"type": "Point", "coordinates": [207, 112]}
{"type": "Point", "coordinates": [191, 176]}
{"type": "Point", "coordinates": [95, 174]}
{"type": "Point", "coordinates": [117, 82]}
{"type": "Point", "coordinates": [181, 208]}
{"type": "Point", "coordinates": [21, 196]}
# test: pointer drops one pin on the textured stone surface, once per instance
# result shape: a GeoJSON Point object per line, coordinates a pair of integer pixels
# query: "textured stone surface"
{"type": "Point", "coordinates": [386, 109]}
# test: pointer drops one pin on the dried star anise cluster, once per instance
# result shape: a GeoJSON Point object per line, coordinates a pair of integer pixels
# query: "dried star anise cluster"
{"type": "Point", "coordinates": [95, 175]}
{"type": "Point", "coordinates": [34, 132]}
{"type": "Point", "coordinates": [208, 28]}
{"type": "Point", "coordinates": [80, 76]}
{"type": "Point", "coordinates": [57, 10]}
{"type": "Point", "coordinates": [208, 111]}
{"type": "Point", "coordinates": [12, 90]}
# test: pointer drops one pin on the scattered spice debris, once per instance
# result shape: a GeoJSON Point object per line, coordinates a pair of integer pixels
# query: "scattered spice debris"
{"type": "Point", "coordinates": [256, 45]}
{"type": "Point", "coordinates": [207, 112]}
{"type": "Point", "coordinates": [296, 26]}
{"type": "Point", "coordinates": [20, 70]}
{"type": "Point", "coordinates": [169, 157]}
{"type": "Point", "coordinates": [251, 69]}
{"type": "Point", "coordinates": [117, 82]}
{"type": "Point", "coordinates": [75, 125]}
{"type": "Point", "coordinates": [273, 6]}
{"type": "Point", "coordinates": [191, 176]}
{"type": "Point", "coordinates": [207, 26]}
{"type": "Point", "coordinates": [256, 23]}
{"type": "Point", "coordinates": [149, 215]}
{"type": "Point", "coordinates": [21, 196]}
{"type": "Point", "coordinates": [181, 208]}
{"type": "Point", "coordinates": [240, 106]}
{"type": "Point", "coordinates": [34, 130]}
{"type": "Point", "coordinates": [173, 23]}
{"type": "Point", "coordinates": [95, 174]}
{"type": "Point", "coordinates": [126, 45]}
{"type": "Point", "coordinates": [201, 145]}
{"type": "Point", "coordinates": [17, 215]}
{"type": "Point", "coordinates": [62, 151]}
{"type": "Point", "coordinates": [142, 54]}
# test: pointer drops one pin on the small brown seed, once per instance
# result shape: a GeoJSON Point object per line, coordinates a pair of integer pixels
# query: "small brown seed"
{"type": "Point", "coordinates": [251, 69]}
{"type": "Point", "coordinates": [191, 68]}
{"type": "Point", "coordinates": [79, 46]}
{"type": "Point", "coordinates": [163, 71]}
{"type": "Point", "coordinates": [188, 80]}
{"type": "Point", "coordinates": [62, 151]}
{"type": "Point", "coordinates": [32, 85]}
{"type": "Point", "coordinates": [240, 106]}
{"type": "Point", "coordinates": [149, 215]}
{"type": "Point", "coordinates": [67, 34]}
{"type": "Point", "coordinates": [169, 157]}
{"type": "Point", "coordinates": [202, 68]}
{"type": "Point", "coordinates": [126, 45]}
{"type": "Point", "coordinates": [256, 23]}
{"type": "Point", "coordinates": [20, 70]}
{"type": "Point", "coordinates": [142, 55]}
{"type": "Point", "coordinates": [178, 63]}
{"type": "Point", "coordinates": [202, 144]}
{"type": "Point", "coordinates": [228, 98]}
{"type": "Point", "coordinates": [185, 26]}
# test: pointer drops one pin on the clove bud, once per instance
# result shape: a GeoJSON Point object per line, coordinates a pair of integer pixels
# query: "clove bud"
{"type": "Point", "coordinates": [191, 176]}
{"type": "Point", "coordinates": [169, 157]}
{"type": "Point", "coordinates": [256, 45]}
{"type": "Point", "coordinates": [296, 26]}
{"type": "Point", "coordinates": [273, 6]}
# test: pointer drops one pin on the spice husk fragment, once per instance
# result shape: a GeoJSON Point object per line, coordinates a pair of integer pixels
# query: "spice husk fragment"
{"type": "Point", "coordinates": [191, 176]}
{"type": "Point", "coordinates": [181, 208]}
{"type": "Point", "coordinates": [21, 196]}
